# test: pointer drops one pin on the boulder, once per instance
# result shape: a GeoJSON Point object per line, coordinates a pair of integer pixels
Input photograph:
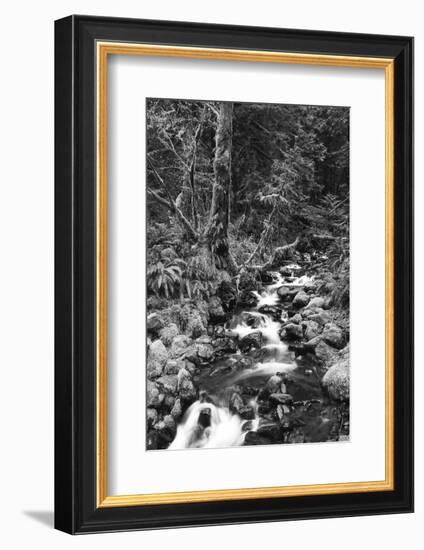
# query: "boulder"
{"type": "Point", "coordinates": [169, 423]}
{"type": "Point", "coordinates": [311, 329]}
{"type": "Point", "coordinates": [301, 299]}
{"type": "Point", "coordinates": [337, 380]}
{"type": "Point", "coordinates": [266, 278]}
{"type": "Point", "coordinates": [228, 295]}
{"type": "Point", "coordinates": [168, 383]}
{"type": "Point", "coordinates": [292, 332]}
{"type": "Point", "coordinates": [168, 333]}
{"type": "Point", "coordinates": [177, 409]}
{"type": "Point", "coordinates": [272, 432]}
{"type": "Point", "coordinates": [286, 293]}
{"type": "Point", "coordinates": [325, 354]}
{"type": "Point", "coordinates": [224, 346]}
{"type": "Point", "coordinates": [236, 403]}
{"type": "Point", "coordinates": [154, 397]}
{"type": "Point", "coordinates": [247, 281]}
{"type": "Point", "coordinates": [205, 351]}
{"type": "Point", "coordinates": [247, 412]}
{"type": "Point", "coordinates": [333, 335]}
{"type": "Point", "coordinates": [320, 316]}
{"type": "Point", "coordinates": [316, 302]}
{"type": "Point", "coordinates": [154, 322]}
{"type": "Point", "coordinates": [252, 340]}
{"type": "Point", "coordinates": [204, 419]}
{"type": "Point", "coordinates": [151, 417]}
{"type": "Point", "coordinates": [247, 299]}
{"type": "Point", "coordinates": [195, 326]}
{"type": "Point", "coordinates": [273, 311]}
{"type": "Point", "coordinates": [253, 438]}
{"type": "Point", "coordinates": [281, 398]}
{"type": "Point", "coordinates": [173, 366]}
{"type": "Point", "coordinates": [216, 311]}
{"type": "Point", "coordinates": [297, 319]}
{"type": "Point", "coordinates": [273, 384]}
{"type": "Point", "coordinates": [179, 345]}
{"type": "Point", "coordinates": [156, 359]}
{"type": "Point", "coordinates": [187, 391]}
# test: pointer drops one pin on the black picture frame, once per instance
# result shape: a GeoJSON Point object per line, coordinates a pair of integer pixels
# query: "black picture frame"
{"type": "Point", "coordinates": [76, 510]}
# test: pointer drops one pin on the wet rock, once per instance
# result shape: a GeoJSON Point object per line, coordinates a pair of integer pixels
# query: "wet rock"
{"type": "Point", "coordinates": [273, 385]}
{"type": "Point", "coordinates": [216, 311]}
{"type": "Point", "coordinates": [254, 438]}
{"type": "Point", "coordinates": [168, 333]}
{"type": "Point", "coordinates": [156, 359]}
{"type": "Point", "coordinates": [328, 302]}
{"type": "Point", "coordinates": [228, 295]}
{"type": "Point", "coordinates": [179, 345]}
{"type": "Point", "coordinates": [195, 326]}
{"type": "Point", "coordinates": [281, 398]}
{"type": "Point", "coordinates": [168, 383]}
{"type": "Point", "coordinates": [310, 286]}
{"type": "Point", "coordinates": [224, 346]}
{"type": "Point", "coordinates": [311, 329]}
{"type": "Point", "coordinates": [152, 440]}
{"type": "Point", "coordinates": [247, 412]}
{"type": "Point", "coordinates": [169, 423]}
{"type": "Point", "coordinates": [252, 340]}
{"type": "Point", "coordinates": [333, 335]}
{"type": "Point", "coordinates": [297, 319]}
{"type": "Point", "coordinates": [187, 391]}
{"type": "Point", "coordinates": [248, 318]}
{"type": "Point", "coordinates": [272, 432]}
{"type": "Point", "coordinates": [154, 397]}
{"type": "Point", "coordinates": [266, 278]}
{"type": "Point", "coordinates": [154, 323]}
{"type": "Point", "coordinates": [247, 281]}
{"type": "Point", "coordinates": [247, 299]}
{"type": "Point", "coordinates": [301, 299]}
{"type": "Point", "coordinates": [236, 403]}
{"type": "Point", "coordinates": [286, 293]}
{"type": "Point", "coordinates": [204, 419]}
{"type": "Point", "coordinates": [151, 417]}
{"type": "Point", "coordinates": [325, 354]}
{"type": "Point", "coordinates": [316, 302]}
{"type": "Point", "coordinates": [337, 380]}
{"type": "Point", "coordinates": [173, 366]}
{"type": "Point", "coordinates": [292, 332]}
{"type": "Point", "coordinates": [204, 351]}
{"type": "Point", "coordinates": [273, 311]}
{"type": "Point", "coordinates": [168, 402]}
{"type": "Point", "coordinates": [320, 316]}
{"type": "Point", "coordinates": [177, 409]}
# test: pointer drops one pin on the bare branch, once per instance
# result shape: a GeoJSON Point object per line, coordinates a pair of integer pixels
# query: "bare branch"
{"type": "Point", "coordinates": [171, 204]}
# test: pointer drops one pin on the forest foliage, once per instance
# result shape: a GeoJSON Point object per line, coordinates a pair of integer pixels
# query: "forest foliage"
{"type": "Point", "coordinates": [228, 185]}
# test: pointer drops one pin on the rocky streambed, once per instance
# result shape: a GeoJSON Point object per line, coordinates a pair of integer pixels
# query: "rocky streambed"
{"type": "Point", "coordinates": [264, 362]}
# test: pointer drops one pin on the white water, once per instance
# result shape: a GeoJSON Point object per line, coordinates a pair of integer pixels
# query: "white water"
{"type": "Point", "coordinates": [225, 429]}
{"type": "Point", "coordinates": [267, 326]}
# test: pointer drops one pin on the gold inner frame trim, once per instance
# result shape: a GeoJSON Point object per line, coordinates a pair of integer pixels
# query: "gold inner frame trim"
{"type": "Point", "coordinates": [103, 50]}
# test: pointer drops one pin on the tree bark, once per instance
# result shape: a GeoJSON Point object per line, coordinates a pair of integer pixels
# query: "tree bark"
{"type": "Point", "coordinates": [216, 230]}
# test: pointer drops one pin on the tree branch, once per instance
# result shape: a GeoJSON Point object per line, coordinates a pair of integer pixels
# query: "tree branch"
{"type": "Point", "coordinates": [171, 204]}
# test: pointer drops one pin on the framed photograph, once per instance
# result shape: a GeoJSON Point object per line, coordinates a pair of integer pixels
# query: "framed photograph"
{"type": "Point", "coordinates": [234, 268]}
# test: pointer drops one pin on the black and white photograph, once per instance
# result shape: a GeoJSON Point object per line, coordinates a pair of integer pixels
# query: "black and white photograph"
{"type": "Point", "coordinates": [247, 274]}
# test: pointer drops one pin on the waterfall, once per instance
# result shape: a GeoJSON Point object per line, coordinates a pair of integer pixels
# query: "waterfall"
{"type": "Point", "coordinates": [224, 430]}
{"type": "Point", "coordinates": [206, 425]}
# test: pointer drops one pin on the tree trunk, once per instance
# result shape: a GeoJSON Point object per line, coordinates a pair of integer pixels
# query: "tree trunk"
{"type": "Point", "coordinates": [216, 230]}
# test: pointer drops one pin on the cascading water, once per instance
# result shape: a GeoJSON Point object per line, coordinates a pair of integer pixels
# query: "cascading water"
{"type": "Point", "coordinates": [222, 428]}
{"type": "Point", "coordinates": [208, 425]}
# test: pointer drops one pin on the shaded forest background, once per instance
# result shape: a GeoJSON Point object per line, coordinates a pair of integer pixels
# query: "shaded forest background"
{"type": "Point", "coordinates": [243, 187]}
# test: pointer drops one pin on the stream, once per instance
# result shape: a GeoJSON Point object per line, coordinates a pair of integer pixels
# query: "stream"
{"type": "Point", "coordinates": [211, 421]}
